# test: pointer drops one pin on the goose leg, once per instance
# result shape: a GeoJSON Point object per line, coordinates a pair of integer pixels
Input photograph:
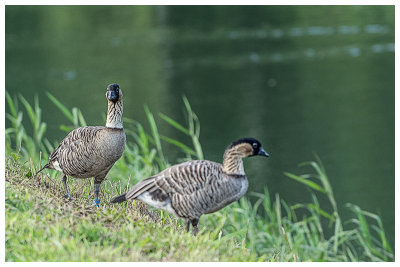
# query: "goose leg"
{"type": "Point", "coordinates": [194, 224]}
{"type": "Point", "coordinates": [67, 195]}
{"type": "Point", "coordinates": [96, 200]}
{"type": "Point", "coordinates": [187, 225]}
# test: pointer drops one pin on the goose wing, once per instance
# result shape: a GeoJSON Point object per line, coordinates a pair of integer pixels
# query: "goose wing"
{"type": "Point", "coordinates": [181, 179]}
{"type": "Point", "coordinates": [73, 152]}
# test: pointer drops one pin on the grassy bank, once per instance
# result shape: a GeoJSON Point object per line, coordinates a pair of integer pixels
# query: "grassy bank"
{"type": "Point", "coordinates": [42, 226]}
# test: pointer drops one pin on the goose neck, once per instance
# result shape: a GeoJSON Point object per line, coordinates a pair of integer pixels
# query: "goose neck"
{"type": "Point", "coordinates": [233, 163]}
{"type": "Point", "coordinates": [114, 114]}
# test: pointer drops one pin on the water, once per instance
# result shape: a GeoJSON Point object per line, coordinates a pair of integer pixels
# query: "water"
{"type": "Point", "coordinates": [300, 79]}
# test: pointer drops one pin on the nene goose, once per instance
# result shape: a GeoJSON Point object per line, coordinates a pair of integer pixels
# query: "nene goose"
{"type": "Point", "coordinates": [91, 151]}
{"type": "Point", "coordinates": [198, 187]}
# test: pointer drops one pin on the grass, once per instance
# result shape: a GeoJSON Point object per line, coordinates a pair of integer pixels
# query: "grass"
{"type": "Point", "coordinates": [42, 226]}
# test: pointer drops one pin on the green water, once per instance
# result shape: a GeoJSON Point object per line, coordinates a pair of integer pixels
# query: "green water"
{"type": "Point", "coordinates": [300, 79]}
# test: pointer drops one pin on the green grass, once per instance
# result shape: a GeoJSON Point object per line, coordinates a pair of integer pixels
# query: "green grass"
{"type": "Point", "coordinates": [42, 226]}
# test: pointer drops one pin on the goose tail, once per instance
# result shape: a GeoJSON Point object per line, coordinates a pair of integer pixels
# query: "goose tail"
{"type": "Point", "coordinates": [44, 167]}
{"type": "Point", "coordinates": [119, 199]}
{"type": "Point", "coordinates": [136, 190]}
{"type": "Point", "coordinates": [141, 187]}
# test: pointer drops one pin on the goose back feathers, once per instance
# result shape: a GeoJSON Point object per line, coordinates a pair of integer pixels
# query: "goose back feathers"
{"type": "Point", "coordinates": [197, 187]}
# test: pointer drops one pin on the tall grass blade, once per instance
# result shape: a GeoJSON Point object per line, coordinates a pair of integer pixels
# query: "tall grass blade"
{"type": "Point", "coordinates": [174, 123]}
{"type": "Point", "coordinates": [61, 107]}
{"type": "Point", "coordinates": [309, 183]}
{"type": "Point", "coordinates": [12, 105]}
{"type": "Point", "coordinates": [178, 144]}
{"type": "Point", "coordinates": [29, 110]}
{"type": "Point", "coordinates": [156, 136]}
{"type": "Point", "coordinates": [194, 128]}
{"type": "Point", "coordinates": [82, 121]}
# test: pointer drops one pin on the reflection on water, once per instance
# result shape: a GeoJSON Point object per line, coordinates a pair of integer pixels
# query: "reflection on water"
{"type": "Point", "coordinates": [300, 79]}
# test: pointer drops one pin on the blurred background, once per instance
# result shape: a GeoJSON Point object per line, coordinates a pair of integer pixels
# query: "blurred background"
{"type": "Point", "coordinates": [301, 79]}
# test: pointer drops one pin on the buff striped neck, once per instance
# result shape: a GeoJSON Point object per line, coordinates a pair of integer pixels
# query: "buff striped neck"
{"type": "Point", "coordinates": [114, 114]}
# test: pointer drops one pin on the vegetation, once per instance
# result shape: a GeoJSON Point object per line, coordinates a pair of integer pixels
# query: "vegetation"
{"type": "Point", "coordinates": [42, 226]}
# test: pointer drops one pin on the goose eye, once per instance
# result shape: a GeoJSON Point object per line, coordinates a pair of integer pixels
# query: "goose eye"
{"type": "Point", "coordinates": [255, 145]}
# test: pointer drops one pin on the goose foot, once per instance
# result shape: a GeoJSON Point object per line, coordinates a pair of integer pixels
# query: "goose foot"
{"type": "Point", "coordinates": [195, 230]}
{"type": "Point", "coordinates": [96, 202]}
{"type": "Point", "coordinates": [68, 196]}
{"type": "Point", "coordinates": [194, 224]}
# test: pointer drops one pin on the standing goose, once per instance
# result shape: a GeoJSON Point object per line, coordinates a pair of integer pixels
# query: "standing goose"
{"type": "Point", "coordinates": [91, 151]}
{"type": "Point", "coordinates": [198, 187]}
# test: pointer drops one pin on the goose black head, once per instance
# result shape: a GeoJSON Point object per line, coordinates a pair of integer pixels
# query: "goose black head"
{"type": "Point", "coordinates": [113, 92]}
{"type": "Point", "coordinates": [248, 147]}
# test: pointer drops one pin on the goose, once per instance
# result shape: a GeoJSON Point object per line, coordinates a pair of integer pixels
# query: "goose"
{"type": "Point", "coordinates": [91, 151]}
{"type": "Point", "coordinates": [198, 187]}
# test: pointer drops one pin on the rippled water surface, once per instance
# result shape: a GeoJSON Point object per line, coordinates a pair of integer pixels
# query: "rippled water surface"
{"type": "Point", "coordinates": [299, 79]}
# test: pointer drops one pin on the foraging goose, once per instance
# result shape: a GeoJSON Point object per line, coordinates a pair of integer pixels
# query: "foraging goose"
{"type": "Point", "coordinates": [198, 187]}
{"type": "Point", "coordinates": [91, 151]}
